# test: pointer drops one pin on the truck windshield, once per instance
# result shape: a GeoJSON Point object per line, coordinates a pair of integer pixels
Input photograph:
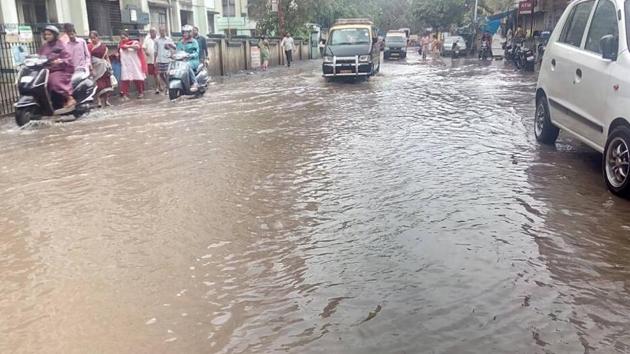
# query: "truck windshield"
{"type": "Point", "coordinates": [350, 36]}
{"type": "Point", "coordinates": [398, 39]}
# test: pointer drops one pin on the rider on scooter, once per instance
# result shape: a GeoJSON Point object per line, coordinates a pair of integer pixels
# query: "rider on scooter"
{"type": "Point", "coordinates": [486, 39]}
{"type": "Point", "coordinates": [190, 45]}
{"type": "Point", "coordinates": [61, 69]}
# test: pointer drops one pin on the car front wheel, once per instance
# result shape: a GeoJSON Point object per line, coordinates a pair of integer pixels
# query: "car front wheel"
{"type": "Point", "coordinates": [545, 131]}
{"type": "Point", "coordinates": [616, 161]}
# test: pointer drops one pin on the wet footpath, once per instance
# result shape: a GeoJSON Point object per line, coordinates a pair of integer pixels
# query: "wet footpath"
{"type": "Point", "coordinates": [413, 213]}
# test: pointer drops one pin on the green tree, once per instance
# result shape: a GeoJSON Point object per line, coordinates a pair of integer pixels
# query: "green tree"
{"type": "Point", "coordinates": [440, 14]}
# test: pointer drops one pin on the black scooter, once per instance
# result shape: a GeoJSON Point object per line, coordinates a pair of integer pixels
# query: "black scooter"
{"type": "Point", "coordinates": [178, 80]}
{"type": "Point", "coordinates": [36, 101]}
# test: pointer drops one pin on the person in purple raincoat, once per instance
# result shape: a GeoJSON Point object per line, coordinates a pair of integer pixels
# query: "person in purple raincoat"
{"type": "Point", "coordinates": [61, 69]}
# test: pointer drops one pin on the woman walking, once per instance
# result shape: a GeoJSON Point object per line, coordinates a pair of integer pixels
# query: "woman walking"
{"type": "Point", "coordinates": [263, 44]}
{"type": "Point", "coordinates": [101, 69]}
{"type": "Point", "coordinates": [133, 66]}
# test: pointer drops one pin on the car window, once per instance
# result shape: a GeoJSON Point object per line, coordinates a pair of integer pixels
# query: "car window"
{"type": "Point", "coordinates": [573, 30]}
{"type": "Point", "coordinates": [604, 23]}
{"type": "Point", "coordinates": [350, 36]}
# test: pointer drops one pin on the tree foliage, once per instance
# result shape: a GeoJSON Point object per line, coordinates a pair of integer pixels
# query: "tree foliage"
{"type": "Point", "coordinates": [387, 14]}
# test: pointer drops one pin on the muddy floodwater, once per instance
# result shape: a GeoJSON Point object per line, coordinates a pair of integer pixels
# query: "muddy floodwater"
{"type": "Point", "coordinates": [413, 213]}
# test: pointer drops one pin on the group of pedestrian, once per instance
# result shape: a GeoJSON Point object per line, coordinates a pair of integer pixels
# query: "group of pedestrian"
{"type": "Point", "coordinates": [137, 60]}
{"type": "Point", "coordinates": [430, 45]}
{"type": "Point", "coordinates": [287, 44]}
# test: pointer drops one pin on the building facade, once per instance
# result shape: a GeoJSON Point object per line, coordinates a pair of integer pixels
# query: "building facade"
{"type": "Point", "coordinates": [109, 17]}
{"type": "Point", "coordinates": [546, 14]}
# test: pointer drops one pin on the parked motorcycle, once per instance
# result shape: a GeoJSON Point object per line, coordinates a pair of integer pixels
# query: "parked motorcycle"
{"type": "Point", "coordinates": [36, 101]}
{"type": "Point", "coordinates": [178, 80]}
{"type": "Point", "coordinates": [508, 50]}
{"type": "Point", "coordinates": [527, 59]}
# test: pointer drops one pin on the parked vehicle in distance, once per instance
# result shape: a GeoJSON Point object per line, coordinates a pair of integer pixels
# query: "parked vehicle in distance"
{"type": "Point", "coordinates": [447, 48]}
{"type": "Point", "coordinates": [406, 31]}
{"type": "Point", "coordinates": [395, 45]}
{"type": "Point", "coordinates": [352, 50]}
{"type": "Point", "coordinates": [584, 82]}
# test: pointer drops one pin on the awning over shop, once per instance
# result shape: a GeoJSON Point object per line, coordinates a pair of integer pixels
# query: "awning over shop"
{"type": "Point", "coordinates": [492, 26]}
{"type": "Point", "coordinates": [501, 15]}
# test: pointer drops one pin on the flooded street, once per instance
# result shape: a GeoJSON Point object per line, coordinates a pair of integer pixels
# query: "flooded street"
{"type": "Point", "coordinates": [413, 213]}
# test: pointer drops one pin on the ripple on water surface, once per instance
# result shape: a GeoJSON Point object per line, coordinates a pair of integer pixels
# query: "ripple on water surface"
{"type": "Point", "coordinates": [410, 213]}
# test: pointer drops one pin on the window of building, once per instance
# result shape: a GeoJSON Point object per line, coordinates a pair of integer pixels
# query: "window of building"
{"type": "Point", "coordinates": [32, 11]}
{"type": "Point", "coordinates": [104, 17]}
{"type": "Point", "coordinates": [210, 22]}
{"type": "Point", "coordinates": [186, 17]}
{"type": "Point", "coordinates": [229, 8]}
{"type": "Point", "coordinates": [604, 23]}
{"type": "Point", "coordinates": [159, 17]}
{"type": "Point", "coordinates": [574, 28]}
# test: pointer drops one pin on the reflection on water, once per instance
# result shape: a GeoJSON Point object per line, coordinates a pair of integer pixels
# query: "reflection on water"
{"type": "Point", "coordinates": [410, 213]}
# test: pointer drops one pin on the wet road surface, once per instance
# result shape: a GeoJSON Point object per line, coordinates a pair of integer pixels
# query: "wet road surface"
{"type": "Point", "coordinates": [413, 213]}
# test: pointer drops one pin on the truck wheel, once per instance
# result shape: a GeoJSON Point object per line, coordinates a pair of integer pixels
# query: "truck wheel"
{"type": "Point", "coordinates": [616, 161]}
{"type": "Point", "coordinates": [545, 131]}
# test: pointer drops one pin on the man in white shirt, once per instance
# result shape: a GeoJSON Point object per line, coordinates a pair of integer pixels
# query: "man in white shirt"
{"type": "Point", "coordinates": [149, 52]}
{"type": "Point", "coordinates": [163, 48]}
{"type": "Point", "coordinates": [287, 45]}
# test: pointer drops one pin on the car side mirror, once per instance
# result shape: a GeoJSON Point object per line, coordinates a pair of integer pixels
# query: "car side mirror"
{"type": "Point", "coordinates": [609, 46]}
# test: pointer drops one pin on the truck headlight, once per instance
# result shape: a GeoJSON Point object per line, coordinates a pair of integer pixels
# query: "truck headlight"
{"type": "Point", "coordinates": [364, 58]}
{"type": "Point", "coordinates": [386, 48]}
{"type": "Point", "coordinates": [328, 59]}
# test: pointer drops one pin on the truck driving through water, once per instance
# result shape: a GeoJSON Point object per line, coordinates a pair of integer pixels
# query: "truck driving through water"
{"type": "Point", "coordinates": [352, 50]}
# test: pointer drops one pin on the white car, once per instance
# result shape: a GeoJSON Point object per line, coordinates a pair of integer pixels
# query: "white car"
{"type": "Point", "coordinates": [584, 84]}
{"type": "Point", "coordinates": [447, 48]}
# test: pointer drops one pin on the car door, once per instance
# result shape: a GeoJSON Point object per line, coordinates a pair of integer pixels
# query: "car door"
{"type": "Point", "coordinates": [592, 82]}
{"type": "Point", "coordinates": [560, 62]}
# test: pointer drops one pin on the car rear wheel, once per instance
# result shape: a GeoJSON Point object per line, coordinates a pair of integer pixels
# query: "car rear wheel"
{"type": "Point", "coordinates": [545, 131]}
{"type": "Point", "coordinates": [616, 161]}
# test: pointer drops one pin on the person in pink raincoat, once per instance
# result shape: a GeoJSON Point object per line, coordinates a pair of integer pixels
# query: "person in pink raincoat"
{"type": "Point", "coordinates": [60, 69]}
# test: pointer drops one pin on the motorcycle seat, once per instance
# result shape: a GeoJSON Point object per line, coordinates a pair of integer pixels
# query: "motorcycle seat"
{"type": "Point", "coordinates": [79, 76]}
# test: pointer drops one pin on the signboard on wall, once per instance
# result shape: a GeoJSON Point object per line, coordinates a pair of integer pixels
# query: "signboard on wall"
{"type": "Point", "coordinates": [274, 5]}
{"type": "Point", "coordinates": [26, 34]}
{"type": "Point", "coordinates": [255, 57]}
{"type": "Point", "coordinates": [12, 33]}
